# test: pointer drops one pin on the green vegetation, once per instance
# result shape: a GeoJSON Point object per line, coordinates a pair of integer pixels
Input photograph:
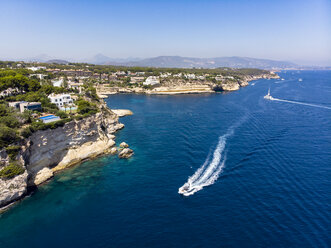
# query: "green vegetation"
{"type": "Point", "coordinates": [11, 170]}
{"type": "Point", "coordinates": [13, 151]}
{"type": "Point", "coordinates": [85, 107]}
{"type": "Point", "coordinates": [24, 85]}
{"type": "Point", "coordinates": [7, 136]}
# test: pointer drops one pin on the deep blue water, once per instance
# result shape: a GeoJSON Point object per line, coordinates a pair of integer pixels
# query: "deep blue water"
{"type": "Point", "coordinates": [274, 190]}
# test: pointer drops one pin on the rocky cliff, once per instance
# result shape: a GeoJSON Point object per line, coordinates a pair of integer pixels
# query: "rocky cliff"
{"type": "Point", "coordinates": [48, 151]}
{"type": "Point", "coordinates": [186, 86]}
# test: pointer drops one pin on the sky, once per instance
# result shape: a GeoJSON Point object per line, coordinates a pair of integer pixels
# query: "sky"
{"type": "Point", "coordinates": [292, 30]}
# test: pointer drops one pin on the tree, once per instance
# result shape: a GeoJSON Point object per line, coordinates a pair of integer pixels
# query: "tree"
{"type": "Point", "coordinates": [7, 136]}
{"type": "Point", "coordinates": [9, 121]}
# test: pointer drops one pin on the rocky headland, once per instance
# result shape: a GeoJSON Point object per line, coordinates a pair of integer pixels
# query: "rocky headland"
{"type": "Point", "coordinates": [46, 152]}
{"type": "Point", "coordinates": [186, 86]}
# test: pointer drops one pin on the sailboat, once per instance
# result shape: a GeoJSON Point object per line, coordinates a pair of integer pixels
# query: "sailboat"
{"type": "Point", "coordinates": [268, 96]}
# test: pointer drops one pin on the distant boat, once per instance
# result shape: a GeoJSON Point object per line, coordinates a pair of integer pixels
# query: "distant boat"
{"type": "Point", "coordinates": [283, 79]}
{"type": "Point", "coordinates": [300, 79]}
{"type": "Point", "coordinates": [268, 96]}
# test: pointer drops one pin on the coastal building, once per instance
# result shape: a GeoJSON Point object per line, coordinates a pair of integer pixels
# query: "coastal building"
{"type": "Point", "coordinates": [62, 101]}
{"type": "Point", "coordinates": [178, 75]}
{"type": "Point", "coordinates": [152, 80]}
{"type": "Point", "coordinates": [135, 80]}
{"type": "Point", "coordinates": [36, 68]}
{"type": "Point", "coordinates": [39, 75]}
{"type": "Point", "coordinates": [75, 85]}
{"type": "Point", "coordinates": [57, 82]}
{"type": "Point", "coordinates": [23, 105]}
{"type": "Point", "coordinates": [165, 75]}
{"type": "Point", "coordinates": [9, 92]}
{"type": "Point", "coordinates": [219, 78]}
{"type": "Point", "coordinates": [190, 76]}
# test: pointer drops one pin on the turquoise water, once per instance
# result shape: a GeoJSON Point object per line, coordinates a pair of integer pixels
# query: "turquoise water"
{"type": "Point", "coordinates": [273, 190]}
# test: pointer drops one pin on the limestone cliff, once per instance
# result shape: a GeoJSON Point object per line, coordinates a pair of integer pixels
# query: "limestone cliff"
{"type": "Point", "coordinates": [59, 148]}
{"type": "Point", "coordinates": [186, 86]}
{"type": "Point", "coordinates": [47, 151]}
{"type": "Point", "coordinates": [11, 189]}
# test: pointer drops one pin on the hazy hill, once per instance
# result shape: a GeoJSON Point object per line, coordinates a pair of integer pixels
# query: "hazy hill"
{"type": "Point", "coordinates": [57, 61]}
{"type": "Point", "coordinates": [187, 62]}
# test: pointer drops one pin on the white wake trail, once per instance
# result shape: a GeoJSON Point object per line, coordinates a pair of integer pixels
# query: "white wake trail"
{"type": "Point", "coordinates": [301, 103]}
{"type": "Point", "coordinates": [208, 173]}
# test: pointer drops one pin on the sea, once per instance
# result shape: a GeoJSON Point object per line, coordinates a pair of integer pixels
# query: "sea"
{"type": "Point", "coordinates": [259, 173]}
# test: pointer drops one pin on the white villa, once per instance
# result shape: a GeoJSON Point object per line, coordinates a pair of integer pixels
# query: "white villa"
{"type": "Point", "coordinates": [58, 82]}
{"type": "Point", "coordinates": [62, 101]}
{"type": "Point", "coordinates": [152, 80]}
{"type": "Point", "coordinates": [40, 76]}
{"type": "Point", "coordinates": [219, 78]}
{"type": "Point", "coordinates": [165, 75]}
{"type": "Point", "coordinates": [178, 75]}
{"type": "Point", "coordinates": [36, 68]}
{"type": "Point", "coordinates": [189, 76]}
{"type": "Point", "coordinates": [75, 85]}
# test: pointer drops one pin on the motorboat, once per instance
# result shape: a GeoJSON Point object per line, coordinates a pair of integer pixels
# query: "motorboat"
{"type": "Point", "coordinates": [185, 189]}
{"type": "Point", "coordinates": [268, 96]}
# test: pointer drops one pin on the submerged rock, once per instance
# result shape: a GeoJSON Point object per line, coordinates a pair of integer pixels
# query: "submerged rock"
{"type": "Point", "coordinates": [125, 153]}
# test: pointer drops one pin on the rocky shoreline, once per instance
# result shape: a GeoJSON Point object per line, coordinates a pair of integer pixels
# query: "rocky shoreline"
{"type": "Point", "coordinates": [179, 86]}
{"type": "Point", "coordinates": [46, 152]}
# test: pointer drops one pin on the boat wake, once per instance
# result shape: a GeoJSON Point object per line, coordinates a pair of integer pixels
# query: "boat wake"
{"type": "Point", "coordinates": [301, 103]}
{"type": "Point", "coordinates": [209, 172]}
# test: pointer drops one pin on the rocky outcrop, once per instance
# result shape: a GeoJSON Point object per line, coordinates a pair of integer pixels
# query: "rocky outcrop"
{"type": "Point", "coordinates": [231, 86]}
{"type": "Point", "coordinates": [113, 151]}
{"type": "Point", "coordinates": [122, 112]}
{"type": "Point", "coordinates": [13, 189]}
{"type": "Point", "coordinates": [172, 86]}
{"type": "Point", "coordinates": [77, 140]}
{"type": "Point", "coordinates": [124, 145]}
{"type": "Point", "coordinates": [125, 153]}
{"type": "Point", "coordinates": [42, 176]}
{"type": "Point", "coordinates": [51, 150]}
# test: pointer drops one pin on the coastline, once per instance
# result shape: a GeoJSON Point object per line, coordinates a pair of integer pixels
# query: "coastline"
{"type": "Point", "coordinates": [47, 152]}
{"type": "Point", "coordinates": [175, 87]}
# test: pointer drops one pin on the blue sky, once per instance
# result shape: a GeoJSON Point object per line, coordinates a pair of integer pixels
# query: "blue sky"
{"type": "Point", "coordinates": [295, 30]}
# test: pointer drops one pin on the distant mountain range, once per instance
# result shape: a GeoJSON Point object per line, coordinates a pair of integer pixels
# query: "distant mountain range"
{"type": "Point", "coordinates": [187, 62]}
{"type": "Point", "coordinates": [175, 62]}
{"type": "Point", "coordinates": [100, 59]}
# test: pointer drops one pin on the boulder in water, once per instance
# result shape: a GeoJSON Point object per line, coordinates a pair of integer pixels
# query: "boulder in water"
{"type": "Point", "coordinates": [125, 153]}
{"type": "Point", "coordinates": [124, 145]}
{"type": "Point", "coordinates": [113, 150]}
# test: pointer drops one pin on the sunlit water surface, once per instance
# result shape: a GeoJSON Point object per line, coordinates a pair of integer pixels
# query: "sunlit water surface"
{"type": "Point", "coordinates": [272, 191]}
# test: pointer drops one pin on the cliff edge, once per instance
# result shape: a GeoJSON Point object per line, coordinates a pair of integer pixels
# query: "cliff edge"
{"type": "Point", "coordinates": [51, 150]}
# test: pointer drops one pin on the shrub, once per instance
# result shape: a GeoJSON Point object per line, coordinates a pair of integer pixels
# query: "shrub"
{"type": "Point", "coordinates": [12, 151]}
{"type": "Point", "coordinates": [3, 110]}
{"type": "Point", "coordinates": [7, 136]}
{"type": "Point", "coordinates": [10, 121]}
{"type": "Point", "coordinates": [62, 114]}
{"type": "Point", "coordinates": [85, 107]}
{"type": "Point", "coordinates": [11, 170]}
{"type": "Point", "coordinates": [26, 132]}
